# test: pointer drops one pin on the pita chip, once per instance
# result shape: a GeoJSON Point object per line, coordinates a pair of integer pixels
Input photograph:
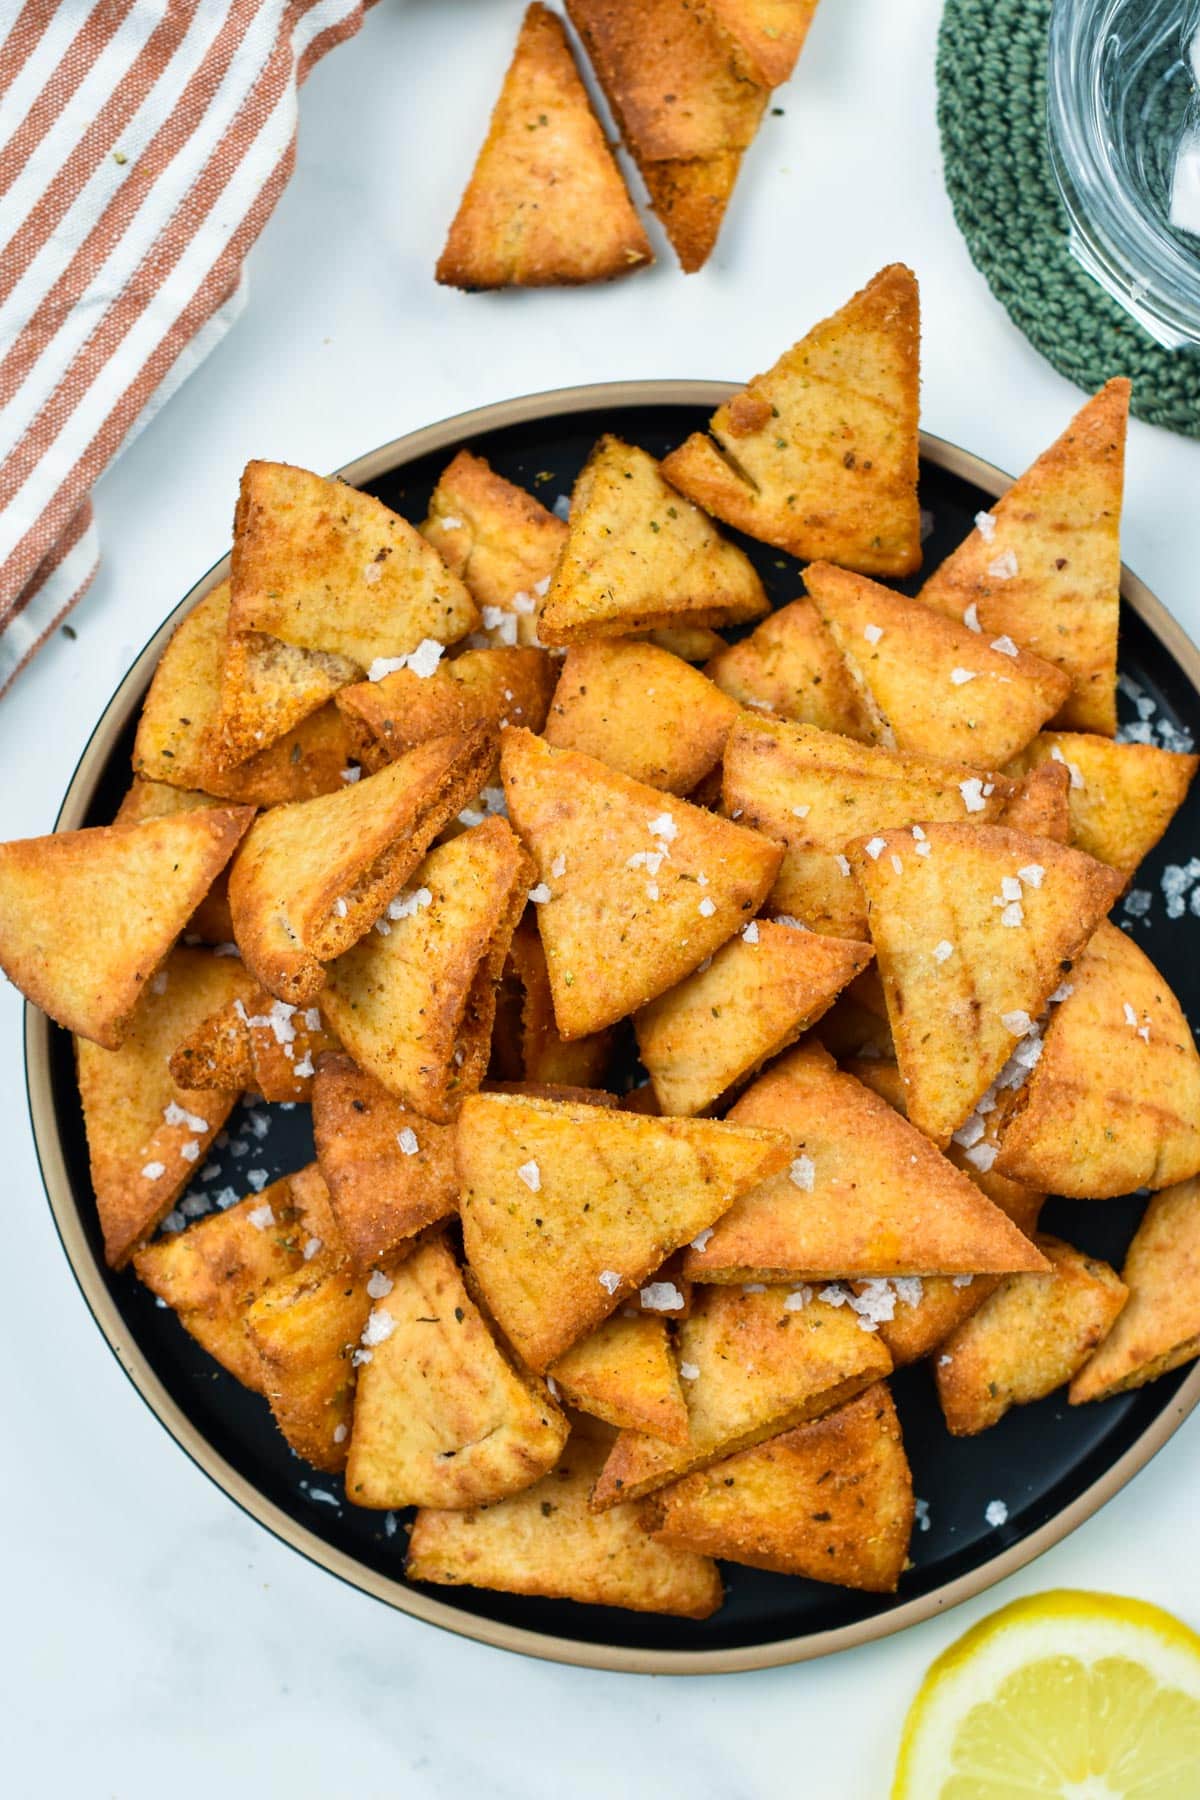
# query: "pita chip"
{"type": "Point", "coordinates": [691, 643]}
{"type": "Point", "coordinates": [819, 455]}
{"type": "Point", "coordinates": [146, 799]}
{"type": "Point", "coordinates": [1028, 1338]}
{"type": "Point", "coordinates": [625, 1374]}
{"type": "Point", "coordinates": [752, 1366]}
{"type": "Point", "coordinates": [314, 876]}
{"type": "Point", "coordinates": [1159, 1326]}
{"type": "Point", "coordinates": [1044, 564]}
{"type": "Point", "coordinates": [254, 1044]}
{"type": "Point", "coordinates": [815, 793]}
{"type": "Point", "coordinates": [760, 991]}
{"type": "Point", "coordinates": [633, 891]}
{"type": "Point", "coordinates": [487, 688]}
{"type": "Point", "coordinates": [831, 1500]}
{"type": "Point", "coordinates": [638, 556]}
{"type": "Point", "coordinates": [567, 1210]}
{"type": "Point", "coordinates": [441, 1417]}
{"type": "Point", "coordinates": [1114, 1101]}
{"type": "Point", "coordinates": [546, 1058]}
{"type": "Point", "coordinates": [1120, 797]}
{"type": "Point", "coordinates": [931, 684]}
{"type": "Point", "coordinates": [500, 541]}
{"type": "Point", "coordinates": [1040, 807]}
{"type": "Point", "coordinates": [971, 940]}
{"type": "Point", "coordinates": [640, 710]}
{"type": "Point", "coordinates": [86, 917]}
{"type": "Point", "coordinates": [789, 665]}
{"type": "Point", "coordinates": [269, 691]}
{"type": "Point", "coordinates": [390, 1172]}
{"type": "Point", "coordinates": [546, 1541]}
{"type": "Point", "coordinates": [768, 35]}
{"type": "Point", "coordinates": [546, 205]}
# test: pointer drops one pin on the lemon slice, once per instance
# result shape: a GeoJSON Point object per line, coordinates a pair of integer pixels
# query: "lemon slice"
{"type": "Point", "coordinates": [1065, 1696]}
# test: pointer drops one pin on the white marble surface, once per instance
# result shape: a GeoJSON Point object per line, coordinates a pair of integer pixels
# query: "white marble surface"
{"type": "Point", "coordinates": [157, 1640]}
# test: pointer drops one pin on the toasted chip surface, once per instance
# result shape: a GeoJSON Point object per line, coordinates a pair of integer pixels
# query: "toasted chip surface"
{"type": "Point", "coordinates": [819, 455]}
{"type": "Point", "coordinates": [480, 688]}
{"type": "Point", "coordinates": [545, 1056]}
{"type": "Point", "coordinates": [1047, 571]}
{"type": "Point", "coordinates": [566, 1210]}
{"type": "Point", "coordinates": [971, 940]}
{"type": "Point", "coordinates": [1159, 1326]}
{"type": "Point", "coordinates": [498, 539]}
{"type": "Point", "coordinates": [768, 34]}
{"type": "Point", "coordinates": [269, 691]}
{"type": "Point", "coordinates": [832, 1500]}
{"type": "Point", "coordinates": [791, 666]}
{"type": "Point", "coordinates": [304, 1330]}
{"type": "Point", "coordinates": [1120, 797]}
{"type": "Point", "coordinates": [625, 1374]}
{"type": "Point", "coordinates": [254, 1044]}
{"type": "Point", "coordinates": [1040, 807]}
{"type": "Point", "coordinates": [546, 1541]}
{"type": "Point", "coordinates": [625, 914]}
{"type": "Point", "coordinates": [546, 205]}
{"type": "Point", "coordinates": [440, 1416]}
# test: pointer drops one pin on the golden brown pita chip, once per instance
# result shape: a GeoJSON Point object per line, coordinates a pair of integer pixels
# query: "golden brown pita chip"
{"type": "Point", "coordinates": [640, 710]}
{"type": "Point", "coordinates": [832, 1500]}
{"type": "Point", "coordinates": [547, 1058]}
{"type": "Point", "coordinates": [441, 1418]}
{"type": "Point", "coordinates": [256, 1045]}
{"type": "Point", "coordinates": [390, 1172]}
{"type": "Point", "coordinates": [1028, 1338]}
{"type": "Point", "coordinates": [546, 205]}
{"type": "Point", "coordinates": [499, 540]}
{"type": "Point", "coordinates": [929, 683]}
{"type": "Point", "coordinates": [1045, 567]}
{"type": "Point", "coordinates": [752, 1365]}
{"type": "Point", "coordinates": [684, 104]}
{"type": "Point", "coordinates": [1114, 1102]}
{"type": "Point", "coordinates": [414, 1005]}
{"type": "Point", "coordinates": [1040, 807]}
{"type": "Point", "coordinates": [709, 1034]}
{"type": "Point", "coordinates": [147, 1135]}
{"type": "Point", "coordinates": [546, 1541]}
{"type": "Point", "coordinates": [313, 877]}
{"type": "Point", "coordinates": [211, 921]}
{"type": "Point", "coordinates": [972, 937]}
{"type": "Point", "coordinates": [790, 665]}
{"type": "Point", "coordinates": [86, 917]}
{"type": "Point", "coordinates": [1159, 1326]}
{"type": "Point", "coordinates": [1120, 797]}
{"type": "Point", "coordinates": [864, 1194]}
{"type": "Point", "coordinates": [566, 1210]}
{"type": "Point", "coordinates": [633, 891]}
{"type": "Point", "coordinates": [768, 35]}
{"type": "Point", "coordinates": [638, 555]}
{"type": "Point", "coordinates": [482, 687]}
{"type": "Point", "coordinates": [625, 1374]}
{"type": "Point", "coordinates": [819, 455]}
{"type": "Point", "coordinates": [815, 793]}
{"type": "Point", "coordinates": [269, 690]}
{"type": "Point", "coordinates": [692, 643]}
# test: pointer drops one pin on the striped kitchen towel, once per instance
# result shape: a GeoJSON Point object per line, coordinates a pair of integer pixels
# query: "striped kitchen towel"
{"type": "Point", "coordinates": [143, 145]}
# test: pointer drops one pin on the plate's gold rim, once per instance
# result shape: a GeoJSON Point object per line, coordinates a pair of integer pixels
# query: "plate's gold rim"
{"type": "Point", "coordinates": [431, 438]}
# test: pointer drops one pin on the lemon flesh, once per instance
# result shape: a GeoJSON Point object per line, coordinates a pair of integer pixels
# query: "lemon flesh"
{"type": "Point", "coordinates": [1066, 1696]}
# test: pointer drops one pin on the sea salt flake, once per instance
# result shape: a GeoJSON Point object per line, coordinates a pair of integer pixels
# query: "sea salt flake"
{"type": "Point", "coordinates": [340, 1433]}
{"type": "Point", "coordinates": [190, 1151]}
{"type": "Point", "coordinates": [960, 676]}
{"type": "Point", "coordinates": [340, 907]}
{"type": "Point", "coordinates": [174, 1114]}
{"type": "Point", "coordinates": [921, 1514]}
{"type": "Point", "coordinates": [261, 1217]}
{"type": "Point", "coordinates": [350, 776]}
{"type": "Point", "coordinates": [402, 907]}
{"type": "Point", "coordinates": [690, 1371]}
{"type": "Point", "coordinates": [875, 848]}
{"type": "Point", "coordinates": [700, 1241]}
{"type": "Point", "coordinates": [754, 1287]}
{"type": "Point", "coordinates": [1012, 914]}
{"type": "Point", "coordinates": [407, 1140]}
{"type": "Point", "coordinates": [378, 1328]}
{"type": "Point", "coordinates": [539, 894]}
{"type": "Point", "coordinates": [970, 1131]}
{"type": "Point", "coordinates": [986, 523]}
{"type": "Point", "coordinates": [843, 863]}
{"type": "Point", "coordinates": [1073, 769]}
{"type": "Point", "coordinates": [802, 1173]}
{"type": "Point", "coordinates": [707, 908]}
{"type": "Point", "coordinates": [750, 935]}
{"type": "Point", "coordinates": [971, 618]}
{"type": "Point", "coordinates": [996, 1513]}
{"type": "Point", "coordinates": [360, 1357]}
{"type": "Point", "coordinates": [1032, 874]}
{"type": "Point", "coordinates": [173, 1223]}
{"type": "Point", "coordinates": [1010, 887]}
{"type": "Point", "coordinates": [558, 867]}
{"type": "Point", "coordinates": [801, 812]}
{"type": "Point", "coordinates": [1137, 902]}
{"type": "Point", "coordinates": [872, 633]}
{"type": "Point", "coordinates": [798, 1299]}
{"type": "Point", "coordinates": [1004, 567]}
{"type": "Point", "coordinates": [972, 793]}
{"type": "Point", "coordinates": [897, 864]}
{"type": "Point", "coordinates": [1131, 1017]}
{"type": "Point", "coordinates": [788, 919]}
{"type": "Point", "coordinates": [1005, 645]}
{"type": "Point", "coordinates": [562, 507]}
{"type": "Point", "coordinates": [910, 1289]}
{"type": "Point", "coordinates": [610, 1281]}
{"type": "Point", "coordinates": [158, 983]}
{"type": "Point", "coordinates": [257, 1179]}
{"type": "Point", "coordinates": [962, 1281]}
{"type": "Point", "coordinates": [664, 826]}
{"type": "Point", "coordinates": [661, 1296]}
{"type": "Point", "coordinates": [942, 950]}
{"type": "Point", "coordinates": [531, 1175]}
{"type": "Point", "coordinates": [154, 1171]}
{"type": "Point", "coordinates": [652, 891]}
{"type": "Point", "coordinates": [312, 1247]}
{"type": "Point", "coordinates": [379, 1285]}
{"type": "Point", "coordinates": [1018, 1022]}
{"type": "Point", "coordinates": [982, 1157]}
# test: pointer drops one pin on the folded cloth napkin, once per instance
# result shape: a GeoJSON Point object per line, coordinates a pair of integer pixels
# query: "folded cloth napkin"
{"type": "Point", "coordinates": [143, 145]}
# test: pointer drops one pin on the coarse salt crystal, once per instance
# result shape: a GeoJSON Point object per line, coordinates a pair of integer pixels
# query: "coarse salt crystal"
{"type": "Point", "coordinates": [700, 1241]}
{"type": "Point", "coordinates": [798, 1299]}
{"type": "Point", "coordinates": [531, 1175]}
{"type": "Point", "coordinates": [1005, 646]}
{"type": "Point", "coordinates": [972, 793]}
{"type": "Point", "coordinates": [1032, 874]}
{"type": "Point", "coordinates": [996, 1513]}
{"type": "Point", "coordinates": [340, 1433]}
{"type": "Point", "coordinates": [312, 1019]}
{"type": "Point", "coordinates": [257, 1179]}
{"type": "Point", "coordinates": [261, 1217]}
{"type": "Point", "coordinates": [154, 1171]}
{"type": "Point", "coordinates": [750, 935]}
{"type": "Point", "coordinates": [921, 1514]}
{"type": "Point", "coordinates": [942, 950]}
{"type": "Point", "coordinates": [689, 1371]}
{"type": "Point", "coordinates": [652, 892]}
{"type": "Point", "coordinates": [379, 1285]}
{"type": "Point", "coordinates": [227, 950]}
{"type": "Point", "coordinates": [190, 1151]}
{"type": "Point", "coordinates": [801, 812]}
{"type": "Point", "coordinates": [360, 1357]}
{"type": "Point", "coordinates": [802, 1173]}
{"type": "Point", "coordinates": [312, 1247]}
{"type": "Point", "coordinates": [403, 907]}
{"type": "Point", "coordinates": [539, 894]}
{"type": "Point", "coordinates": [971, 618]}
{"type": "Point", "coordinates": [982, 1157]}
{"type": "Point", "coordinates": [707, 908]}
{"type": "Point", "coordinates": [562, 507]}
{"type": "Point", "coordinates": [471, 815]}
{"type": "Point", "coordinates": [1018, 1022]}
{"type": "Point", "coordinates": [1004, 567]}
{"type": "Point", "coordinates": [661, 1296]}
{"type": "Point", "coordinates": [378, 1328]}
{"type": "Point", "coordinates": [340, 907]}
{"type": "Point", "coordinates": [843, 863]}
{"type": "Point", "coordinates": [174, 1114]}
{"type": "Point", "coordinates": [650, 860]}
{"type": "Point", "coordinates": [350, 776]}
{"type": "Point", "coordinates": [962, 1281]}
{"type": "Point", "coordinates": [407, 1140]}
{"type": "Point", "coordinates": [1012, 914]}
{"type": "Point", "coordinates": [664, 827]}
{"type": "Point", "coordinates": [897, 864]}
{"type": "Point", "coordinates": [970, 1131]}
{"type": "Point", "coordinates": [986, 523]}
{"type": "Point", "coordinates": [1131, 1017]}
{"type": "Point", "coordinates": [610, 1281]}
{"type": "Point", "coordinates": [960, 676]}
{"type": "Point", "coordinates": [872, 633]}
{"type": "Point", "coordinates": [1010, 887]}
{"type": "Point", "coordinates": [558, 866]}
{"type": "Point", "coordinates": [875, 847]}
{"type": "Point", "coordinates": [1063, 992]}
{"type": "Point", "coordinates": [792, 923]}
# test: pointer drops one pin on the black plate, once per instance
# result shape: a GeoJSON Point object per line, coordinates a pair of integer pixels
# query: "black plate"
{"type": "Point", "coordinates": [1040, 1460]}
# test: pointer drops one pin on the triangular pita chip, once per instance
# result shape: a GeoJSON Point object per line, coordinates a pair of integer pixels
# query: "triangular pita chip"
{"type": "Point", "coordinates": [145, 799]}
{"type": "Point", "coordinates": [973, 927]}
{"type": "Point", "coordinates": [634, 890]}
{"type": "Point", "coordinates": [790, 665]}
{"type": "Point", "coordinates": [863, 1195]}
{"type": "Point", "coordinates": [625, 1374]}
{"type": "Point", "coordinates": [1040, 807]}
{"type": "Point", "coordinates": [1027, 1339]}
{"type": "Point", "coordinates": [269, 691]}
{"type": "Point", "coordinates": [546, 1541]}
{"type": "Point", "coordinates": [1120, 797]}
{"type": "Point", "coordinates": [254, 1044]}
{"type": "Point", "coordinates": [931, 684]}
{"type": "Point", "coordinates": [497, 539]}
{"type": "Point", "coordinates": [414, 1005]}
{"type": "Point", "coordinates": [768, 35]}
{"type": "Point", "coordinates": [546, 205]}
{"type": "Point", "coordinates": [441, 1417]}
{"type": "Point", "coordinates": [390, 1172]}
{"type": "Point", "coordinates": [1159, 1326]}
{"type": "Point", "coordinates": [819, 455]}
{"type": "Point", "coordinates": [757, 995]}
{"type": "Point", "coordinates": [1044, 566]}
{"type": "Point", "coordinates": [566, 1210]}
{"type": "Point", "coordinates": [86, 917]}
{"type": "Point", "coordinates": [1114, 1101]}
{"type": "Point", "coordinates": [753, 1365]}
{"type": "Point", "coordinates": [831, 1500]}
{"type": "Point", "coordinates": [638, 555]}
{"type": "Point", "coordinates": [482, 687]}
{"type": "Point", "coordinates": [684, 104]}
{"type": "Point", "coordinates": [815, 792]}
{"type": "Point", "coordinates": [147, 1135]}
{"type": "Point", "coordinates": [314, 876]}
{"type": "Point", "coordinates": [546, 1057]}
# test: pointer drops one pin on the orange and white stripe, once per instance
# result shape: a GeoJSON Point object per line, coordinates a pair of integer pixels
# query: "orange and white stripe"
{"type": "Point", "coordinates": [143, 145]}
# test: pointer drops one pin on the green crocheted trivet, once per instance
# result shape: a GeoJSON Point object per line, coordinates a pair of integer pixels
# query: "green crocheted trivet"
{"type": "Point", "coordinates": [991, 73]}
